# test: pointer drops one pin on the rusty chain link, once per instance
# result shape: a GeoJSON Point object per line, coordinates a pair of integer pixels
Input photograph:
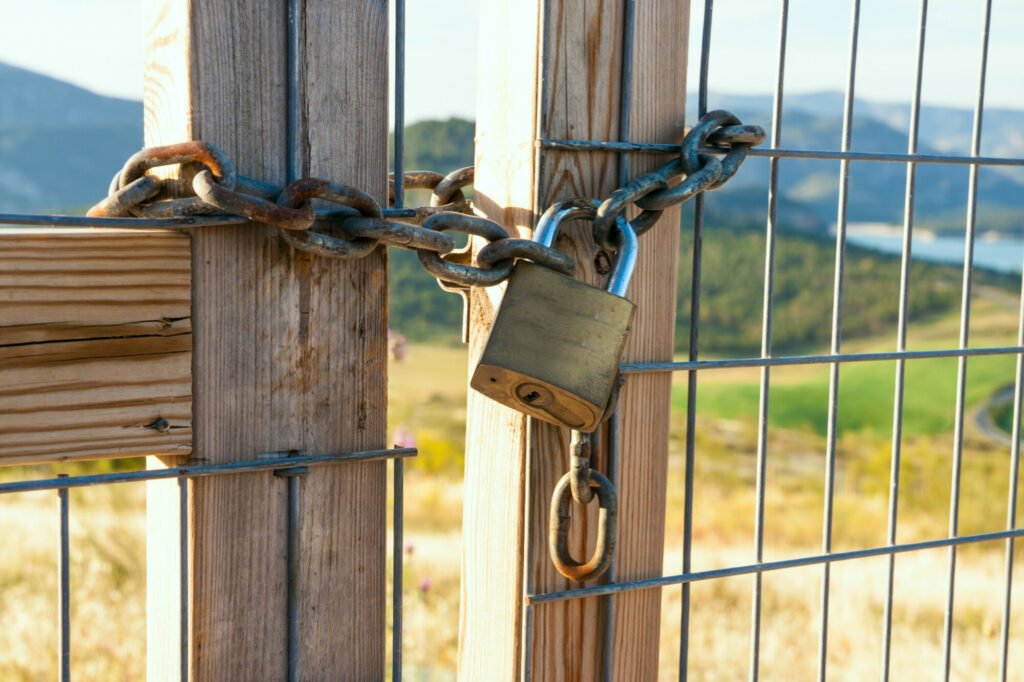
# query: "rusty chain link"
{"type": "Point", "coordinates": [210, 186]}
{"type": "Point", "coordinates": [359, 226]}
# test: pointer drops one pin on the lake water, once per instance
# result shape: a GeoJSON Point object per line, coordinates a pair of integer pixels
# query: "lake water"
{"type": "Point", "coordinates": [1002, 255]}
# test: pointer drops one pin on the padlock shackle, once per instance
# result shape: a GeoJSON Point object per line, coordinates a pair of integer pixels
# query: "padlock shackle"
{"type": "Point", "coordinates": [551, 222]}
{"type": "Point", "coordinates": [586, 209]}
{"type": "Point", "coordinates": [625, 261]}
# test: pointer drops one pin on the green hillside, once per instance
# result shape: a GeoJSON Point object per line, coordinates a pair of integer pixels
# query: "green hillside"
{"type": "Point", "coordinates": [732, 288]}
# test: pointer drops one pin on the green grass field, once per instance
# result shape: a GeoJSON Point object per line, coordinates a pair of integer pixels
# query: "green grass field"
{"type": "Point", "coordinates": [798, 396]}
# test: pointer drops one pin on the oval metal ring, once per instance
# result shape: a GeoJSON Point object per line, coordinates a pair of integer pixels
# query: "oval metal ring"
{"type": "Point", "coordinates": [607, 529]}
{"type": "Point", "coordinates": [691, 186]}
{"type": "Point", "coordinates": [253, 208]}
{"type": "Point", "coordinates": [326, 245]}
{"type": "Point", "coordinates": [396, 233]}
{"type": "Point", "coordinates": [422, 180]}
{"type": "Point", "coordinates": [615, 205]}
{"type": "Point", "coordinates": [507, 249]}
{"type": "Point", "coordinates": [450, 187]}
{"type": "Point", "coordinates": [696, 138]}
{"type": "Point", "coordinates": [121, 200]}
{"type": "Point", "coordinates": [450, 272]}
{"type": "Point", "coordinates": [192, 151]}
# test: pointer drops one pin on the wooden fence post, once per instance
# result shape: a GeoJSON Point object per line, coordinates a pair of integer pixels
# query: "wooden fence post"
{"type": "Point", "coordinates": [290, 350]}
{"type": "Point", "coordinates": [553, 70]}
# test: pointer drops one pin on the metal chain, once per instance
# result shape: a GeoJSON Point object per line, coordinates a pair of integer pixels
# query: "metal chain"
{"type": "Point", "coordinates": [209, 186]}
{"type": "Point", "coordinates": [359, 226]}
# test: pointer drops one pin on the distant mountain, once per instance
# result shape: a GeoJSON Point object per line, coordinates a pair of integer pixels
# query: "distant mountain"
{"type": "Point", "coordinates": [876, 189]}
{"type": "Point", "coordinates": [60, 144]}
{"type": "Point", "coordinates": [437, 145]}
{"type": "Point", "coordinates": [33, 99]}
{"type": "Point", "coordinates": [946, 129]}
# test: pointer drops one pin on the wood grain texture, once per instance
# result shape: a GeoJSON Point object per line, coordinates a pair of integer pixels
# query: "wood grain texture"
{"type": "Point", "coordinates": [491, 588]}
{"type": "Point", "coordinates": [290, 350]}
{"type": "Point", "coordinates": [578, 98]}
{"type": "Point", "coordinates": [95, 345]}
{"type": "Point", "coordinates": [657, 115]}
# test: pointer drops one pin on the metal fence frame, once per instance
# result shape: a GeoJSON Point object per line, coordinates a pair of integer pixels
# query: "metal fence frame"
{"type": "Point", "coordinates": [693, 366]}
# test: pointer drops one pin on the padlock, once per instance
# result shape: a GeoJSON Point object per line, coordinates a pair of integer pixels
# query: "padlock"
{"type": "Point", "coordinates": [554, 348]}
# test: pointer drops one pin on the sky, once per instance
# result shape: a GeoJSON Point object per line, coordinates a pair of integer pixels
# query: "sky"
{"type": "Point", "coordinates": [98, 44]}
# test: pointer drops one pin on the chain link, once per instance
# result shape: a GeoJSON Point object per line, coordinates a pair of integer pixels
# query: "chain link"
{"type": "Point", "coordinates": [582, 484]}
{"type": "Point", "coordinates": [359, 226]}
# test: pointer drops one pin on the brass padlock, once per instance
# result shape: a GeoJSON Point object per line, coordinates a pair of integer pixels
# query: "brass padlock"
{"type": "Point", "coordinates": [555, 345]}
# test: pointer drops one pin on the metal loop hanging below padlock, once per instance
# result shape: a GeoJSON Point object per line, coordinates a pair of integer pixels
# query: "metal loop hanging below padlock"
{"type": "Point", "coordinates": [579, 467]}
{"type": "Point", "coordinates": [560, 521]}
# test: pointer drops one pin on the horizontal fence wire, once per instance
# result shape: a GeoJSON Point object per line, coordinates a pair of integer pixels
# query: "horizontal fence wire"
{"type": "Point", "coordinates": [767, 566]}
{"type": "Point", "coordinates": [176, 223]}
{"type": "Point", "coordinates": [277, 461]}
{"type": "Point", "coordinates": [731, 363]}
{"type": "Point", "coordinates": [778, 153]}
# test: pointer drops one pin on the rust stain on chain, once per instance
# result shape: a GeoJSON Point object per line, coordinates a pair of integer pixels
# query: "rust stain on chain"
{"type": "Point", "coordinates": [361, 226]}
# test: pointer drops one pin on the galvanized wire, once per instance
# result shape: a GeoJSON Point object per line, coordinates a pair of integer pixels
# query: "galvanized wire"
{"type": "Point", "coordinates": [766, 343]}
{"type": "Point", "coordinates": [691, 379]}
{"type": "Point", "coordinates": [901, 342]}
{"type": "Point", "coordinates": [837, 323]}
{"type": "Point", "coordinates": [965, 317]}
{"type": "Point", "coordinates": [767, 566]}
{"type": "Point", "coordinates": [835, 358]}
{"type": "Point", "coordinates": [64, 579]}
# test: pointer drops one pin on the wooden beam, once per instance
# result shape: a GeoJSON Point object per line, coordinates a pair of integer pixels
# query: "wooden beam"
{"type": "Point", "coordinates": [96, 345]}
{"type": "Point", "coordinates": [512, 467]}
{"type": "Point", "coordinates": [290, 350]}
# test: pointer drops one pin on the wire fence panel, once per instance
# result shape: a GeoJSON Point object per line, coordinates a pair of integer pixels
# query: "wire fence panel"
{"type": "Point", "coordinates": [833, 361]}
{"type": "Point", "coordinates": [293, 465]}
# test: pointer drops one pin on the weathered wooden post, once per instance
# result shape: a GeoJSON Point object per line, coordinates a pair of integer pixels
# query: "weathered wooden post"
{"type": "Point", "coordinates": [290, 350]}
{"type": "Point", "coordinates": [553, 70]}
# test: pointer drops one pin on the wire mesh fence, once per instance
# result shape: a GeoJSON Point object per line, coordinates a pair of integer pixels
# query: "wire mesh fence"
{"type": "Point", "coordinates": [695, 367]}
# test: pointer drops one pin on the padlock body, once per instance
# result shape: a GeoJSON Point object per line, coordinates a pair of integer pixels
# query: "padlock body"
{"type": "Point", "coordinates": [554, 348]}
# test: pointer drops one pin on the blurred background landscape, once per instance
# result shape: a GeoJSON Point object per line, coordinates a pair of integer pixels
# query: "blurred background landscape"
{"type": "Point", "coordinates": [60, 144]}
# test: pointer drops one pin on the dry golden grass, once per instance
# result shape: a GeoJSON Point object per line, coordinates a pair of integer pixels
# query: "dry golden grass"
{"type": "Point", "coordinates": [108, 582]}
{"type": "Point", "coordinates": [108, 554]}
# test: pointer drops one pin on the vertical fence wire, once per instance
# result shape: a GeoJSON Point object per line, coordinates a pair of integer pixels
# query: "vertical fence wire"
{"type": "Point", "coordinates": [1011, 503]}
{"type": "Point", "coordinates": [526, 664]}
{"type": "Point", "coordinates": [901, 342]}
{"type": "Point", "coordinates": [965, 312]}
{"type": "Point", "coordinates": [294, 600]}
{"type": "Point", "coordinates": [612, 445]}
{"type": "Point", "coordinates": [294, 104]}
{"type": "Point", "coordinates": [398, 509]}
{"type": "Point", "coordinates": [766, 343]}
{"type": "Point", "coordinates": [399, 128]}
{"type": "Point", "coordinates": [183, 637]}
{"type": "Point", "coordinates": [608, 655]}
{"type": "Point", "coordinates": [64, 578]}
{"type": "Point", "coordinates": [691, 379]}
{"type": "Point", "coordinates": [397, 532]}
{"type": "Point", "coordinates": [294, 172]}
{"type": "Point", "coordinates": [837, 332]}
